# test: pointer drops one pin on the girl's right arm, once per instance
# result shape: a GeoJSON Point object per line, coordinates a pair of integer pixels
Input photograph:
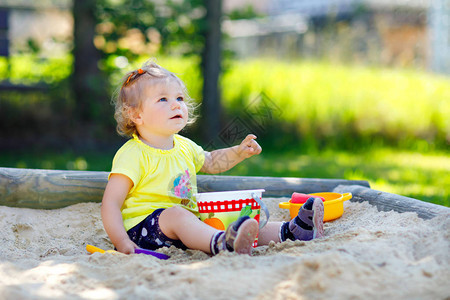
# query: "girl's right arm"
{"type": "Point", "coordinates": [116, 191]}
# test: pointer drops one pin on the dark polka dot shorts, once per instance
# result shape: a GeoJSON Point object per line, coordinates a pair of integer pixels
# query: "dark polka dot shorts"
{"type": "Point", "coordinates": [148, 235]}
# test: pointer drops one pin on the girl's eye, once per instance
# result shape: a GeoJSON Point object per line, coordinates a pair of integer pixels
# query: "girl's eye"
{"type": "Point", "coordinates": [163, 100]}
{"type": "Point", "coordinates": [180, 99]}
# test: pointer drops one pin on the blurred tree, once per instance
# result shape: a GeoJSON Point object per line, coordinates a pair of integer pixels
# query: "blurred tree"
{"type": "Point", "coordinates": [88, 83]}
{"type": "Point", "coordinates": [211, 68]}
{"type": "Point", "coordinates": [131, 28]}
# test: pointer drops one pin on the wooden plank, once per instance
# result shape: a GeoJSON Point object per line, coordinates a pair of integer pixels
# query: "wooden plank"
{"type": "Point", "coordinates": [48, 189]}
{"type": "Point", "coordinates": [386, 201]}
{"type": "Point", "coordinates": [274, 186]}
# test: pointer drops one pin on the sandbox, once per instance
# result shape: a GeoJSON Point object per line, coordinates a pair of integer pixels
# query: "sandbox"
{"type": "Point", "coordinates": [371, 252]}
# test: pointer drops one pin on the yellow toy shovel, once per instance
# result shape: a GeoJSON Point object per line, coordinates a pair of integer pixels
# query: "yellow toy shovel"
{"type": "Point", "coordinates": [92, 249]}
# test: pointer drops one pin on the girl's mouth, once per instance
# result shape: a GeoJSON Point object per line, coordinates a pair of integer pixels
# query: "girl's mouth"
{"type": "Point", "coordinates": [177, 117]}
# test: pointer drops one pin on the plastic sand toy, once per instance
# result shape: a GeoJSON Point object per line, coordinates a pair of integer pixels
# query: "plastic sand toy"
{"type": "Point", "coordinates": [92, 249]}
{"type": "Point", "coordinates": [333, 204]}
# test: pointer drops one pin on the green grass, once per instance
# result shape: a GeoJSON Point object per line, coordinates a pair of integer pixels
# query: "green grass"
{"type": "Point", "coordinates": [420, 176]}
{"type": "Point", "coordinates": [346, 103]}
{"type": "Point", "coordinates": [68, 160]}
{"type": "Point", "coordinates": [30, 69]}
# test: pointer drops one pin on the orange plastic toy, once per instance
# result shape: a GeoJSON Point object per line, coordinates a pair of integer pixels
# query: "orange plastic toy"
{"type": "Point", "coordinates": [333, 205]}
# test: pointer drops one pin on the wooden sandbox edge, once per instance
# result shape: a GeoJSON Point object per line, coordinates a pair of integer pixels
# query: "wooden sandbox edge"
{"type": "Point", "coordinates": [386, 201]}
{"type": "Point", "coordinates": [48, 189]}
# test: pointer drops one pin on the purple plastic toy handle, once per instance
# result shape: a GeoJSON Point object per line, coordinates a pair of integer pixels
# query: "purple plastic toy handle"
{"type": "Point", "coordinates": [153, 253]}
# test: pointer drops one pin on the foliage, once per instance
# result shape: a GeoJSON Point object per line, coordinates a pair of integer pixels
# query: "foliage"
{"type": "Point", "coordinates": [34, 114]}
{"type": "Point", "coordinates": [416, 175]}
{"type": "Point", "coordinates": [30, 69]}
{"type": "Point", "coordinates": [246, 12]}
{"type": "Point", "coordinates": [132, 27]}
{"type": "Point", "coordinates": [344, 106]}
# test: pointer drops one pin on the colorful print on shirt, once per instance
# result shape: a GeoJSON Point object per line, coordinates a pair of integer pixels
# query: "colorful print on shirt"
{"type": "Point", "coordinates": [182, 188]}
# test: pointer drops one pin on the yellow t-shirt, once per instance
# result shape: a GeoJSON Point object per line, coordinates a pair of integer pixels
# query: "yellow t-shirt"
{"type": "Point", "coordinates": [161, 178]}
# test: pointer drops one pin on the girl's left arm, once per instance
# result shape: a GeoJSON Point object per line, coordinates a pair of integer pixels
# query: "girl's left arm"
{"type": "Point", "coordinates": [221, 160]}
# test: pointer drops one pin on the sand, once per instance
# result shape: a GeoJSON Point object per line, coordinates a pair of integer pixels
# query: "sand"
{"type": "Point", "coordinates": [365, 254]}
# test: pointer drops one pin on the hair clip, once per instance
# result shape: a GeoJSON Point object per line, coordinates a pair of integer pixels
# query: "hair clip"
{"type": "Point", "coordinates": [128, 79]}
{"type": "Point", "coordinates": [139, 71]}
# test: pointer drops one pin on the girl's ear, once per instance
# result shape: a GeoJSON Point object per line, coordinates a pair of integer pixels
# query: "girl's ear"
{"type": "Point", "coordinates": [135, 115]}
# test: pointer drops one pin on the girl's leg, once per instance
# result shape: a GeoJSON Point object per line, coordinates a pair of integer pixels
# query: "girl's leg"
{"type": "Point", "coordinates": [270, 232]}
{"type": "Point", "coordinates": [306, 226]}
{"type": "Point", "coordinates": [180, 224]}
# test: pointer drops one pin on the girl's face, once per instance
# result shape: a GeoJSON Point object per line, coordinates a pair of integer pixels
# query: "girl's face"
{"type": "Point", "coordinates": [163, 111]}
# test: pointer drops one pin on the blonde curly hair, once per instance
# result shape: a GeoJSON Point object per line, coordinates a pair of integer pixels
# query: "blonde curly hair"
{"type": "Point", "coordinates": [128, 96]}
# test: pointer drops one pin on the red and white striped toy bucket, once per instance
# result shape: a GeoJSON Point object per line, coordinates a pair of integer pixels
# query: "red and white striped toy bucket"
{"type": "Point", "coordinates": [220, 209]}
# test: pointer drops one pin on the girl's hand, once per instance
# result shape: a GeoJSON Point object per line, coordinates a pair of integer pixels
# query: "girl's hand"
{"type": "Point", "coordinates": [126, 246]}
{"type": "Point", "coordinates": [249, 147]}
{"type": "Point", "coordinates": [224, 159]}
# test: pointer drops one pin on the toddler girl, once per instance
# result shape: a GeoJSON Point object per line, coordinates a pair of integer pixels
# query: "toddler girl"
{"type": "Point", "coordinates": [148, 201]}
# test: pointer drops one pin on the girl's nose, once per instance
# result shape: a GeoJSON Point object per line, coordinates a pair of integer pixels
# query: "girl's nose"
{"type": "Point", "coordinates": [175, 105]}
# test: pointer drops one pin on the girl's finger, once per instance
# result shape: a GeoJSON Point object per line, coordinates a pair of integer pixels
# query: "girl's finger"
{"type": "Point", "coordinates": [249, 138]}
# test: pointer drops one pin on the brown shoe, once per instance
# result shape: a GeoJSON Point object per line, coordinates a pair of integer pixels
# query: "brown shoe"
{"type": "Point", "coordinates": [241, 234]}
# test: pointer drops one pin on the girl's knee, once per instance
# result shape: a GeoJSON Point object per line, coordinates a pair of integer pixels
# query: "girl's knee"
{"type": "Point", "coordinates": [175, 213]}
{"type": "Point", "coordinates": [174, 218]}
